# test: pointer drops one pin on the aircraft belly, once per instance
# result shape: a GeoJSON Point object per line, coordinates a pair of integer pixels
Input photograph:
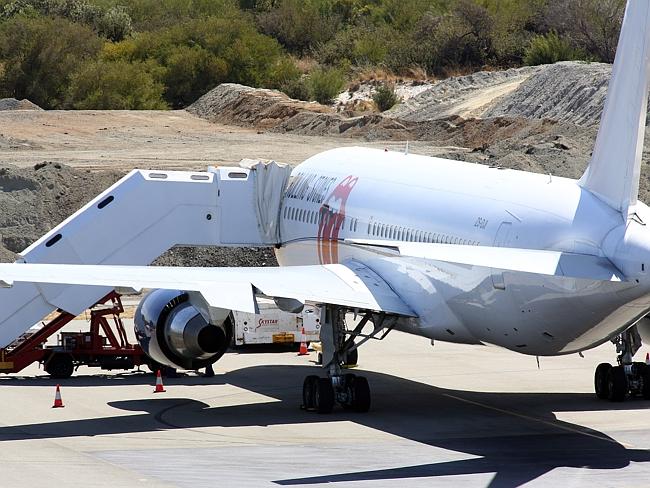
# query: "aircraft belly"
{"type": "Point", "coordinates": [549, 315]}
{"type": "Point", "coordinates": [532, 314]}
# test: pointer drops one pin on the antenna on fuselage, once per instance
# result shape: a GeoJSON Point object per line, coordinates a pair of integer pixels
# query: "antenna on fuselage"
{"type": "Point", "coordinates": [406, 149]}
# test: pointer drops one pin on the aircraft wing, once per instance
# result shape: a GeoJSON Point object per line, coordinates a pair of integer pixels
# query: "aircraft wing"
{"type": "Point", "coordinates": [549, 263]}
{"type": "Point", "coordinates": [353, 285]}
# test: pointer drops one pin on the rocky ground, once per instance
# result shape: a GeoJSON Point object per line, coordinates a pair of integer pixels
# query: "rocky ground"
{"type": "Point", "coordinates": [541, 119]}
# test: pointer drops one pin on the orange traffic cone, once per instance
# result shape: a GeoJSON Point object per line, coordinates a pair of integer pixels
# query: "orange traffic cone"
{"type": "Point", "coordinates": [303, 344]}
{"type": "Point", "coordinates": [58, 403]}
{"type": "Point", "coordinates": [159, 384]}
{"type": "Point", "coordinates": [647, 358]}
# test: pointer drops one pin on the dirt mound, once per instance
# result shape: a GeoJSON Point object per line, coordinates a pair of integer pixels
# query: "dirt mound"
{"type": "Point", "coordinates": [33, 200]}
{"type": "Point", "coordinates": [465, 96]}
{"type": "Point", "coordinates": [241, 105]}
{"type": "Point", "coordinates": [14, 104]}
{"type": "Point", "coordinates": [567, 92]}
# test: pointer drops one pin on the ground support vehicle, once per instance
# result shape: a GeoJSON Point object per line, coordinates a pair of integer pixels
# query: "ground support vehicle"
{"type": "Point", "coordinates": [104, 346]}
{"type": "Point", "coordinates": [273, 326]}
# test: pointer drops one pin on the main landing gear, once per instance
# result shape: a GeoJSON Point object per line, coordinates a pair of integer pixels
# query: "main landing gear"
{"type": "Point", "coordinates": [614, 383]}
{"type": "Point", "coordinates": [351, 391]}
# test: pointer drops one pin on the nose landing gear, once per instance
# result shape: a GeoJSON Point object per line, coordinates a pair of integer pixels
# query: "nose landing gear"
{"type": "Point", "coordinates": [631, 378]}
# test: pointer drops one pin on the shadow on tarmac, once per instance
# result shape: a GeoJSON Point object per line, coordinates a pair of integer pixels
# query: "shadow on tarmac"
{"type": "Point", "coordinates": [515, 435]}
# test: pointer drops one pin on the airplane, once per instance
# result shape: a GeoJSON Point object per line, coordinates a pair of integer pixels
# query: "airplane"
{"type": "Point", "coordinates": [447, 250]}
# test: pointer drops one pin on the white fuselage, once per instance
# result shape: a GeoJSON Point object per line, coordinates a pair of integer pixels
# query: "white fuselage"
{"type": "Point", "coordinates": [356, 193]}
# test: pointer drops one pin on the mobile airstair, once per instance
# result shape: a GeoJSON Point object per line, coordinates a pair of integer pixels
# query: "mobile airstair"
{"type": "Point", "coordinates": [139, 218]}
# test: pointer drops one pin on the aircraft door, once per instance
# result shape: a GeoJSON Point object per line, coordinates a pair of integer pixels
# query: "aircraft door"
{"type": "Point", "coordinates": [501, 239]}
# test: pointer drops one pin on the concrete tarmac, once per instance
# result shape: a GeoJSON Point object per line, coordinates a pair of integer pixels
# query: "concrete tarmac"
{"type": "Point", "coordinates": [447, 415]}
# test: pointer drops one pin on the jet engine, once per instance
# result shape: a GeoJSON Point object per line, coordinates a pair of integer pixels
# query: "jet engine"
{"type": "Point", "coordinates": [178, 329]}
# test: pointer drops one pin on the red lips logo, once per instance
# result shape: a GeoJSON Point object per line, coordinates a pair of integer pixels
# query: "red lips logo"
{"type": "Point", "coordinates": [332, 217]}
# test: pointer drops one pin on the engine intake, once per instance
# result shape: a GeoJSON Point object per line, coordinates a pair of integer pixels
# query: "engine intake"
{"type": "Point", "coordinates": [177, 329]}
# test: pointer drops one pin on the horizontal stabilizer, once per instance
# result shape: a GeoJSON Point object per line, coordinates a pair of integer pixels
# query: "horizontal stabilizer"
{"type": "Point", "coordinates": [550, 263]}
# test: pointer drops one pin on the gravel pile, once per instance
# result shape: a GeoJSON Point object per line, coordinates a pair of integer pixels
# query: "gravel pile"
{"type": "Point", "coordinates": [462, 95]}
{"type": "Point", "coordinates": [13, 104]}
{"type": "Point", "coordinates": [566, 92]}
{"type": "Point", "coordinates": [570, 91]}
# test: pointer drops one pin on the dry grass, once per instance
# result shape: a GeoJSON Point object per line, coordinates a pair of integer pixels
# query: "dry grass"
{"type": "Point", "coordinates": [306, 64]}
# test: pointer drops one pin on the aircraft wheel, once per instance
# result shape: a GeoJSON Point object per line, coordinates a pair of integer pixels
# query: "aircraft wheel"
{"type": "Point", "coordinates": [361, 395]}
{"type": "Point", "coordinates": [617, 384]}
{"type": "Point", "coordinates": [324, 397]}
{"type": "Point", "coordinates": [309, 392]}
{"type": "Point", "coordinates": [600, 380]}
{"type": "Point", "coordinates": [60, 366]}
{"type": "Point", "coordinates": [645, 390]}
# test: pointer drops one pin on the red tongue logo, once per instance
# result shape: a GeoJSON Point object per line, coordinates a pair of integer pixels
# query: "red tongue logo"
{"type": "Point", "coordinates": [332, 217]}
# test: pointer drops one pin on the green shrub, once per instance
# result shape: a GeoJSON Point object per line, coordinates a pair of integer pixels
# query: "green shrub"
{"type": "Point", "coordinates": [549, 49]}
{"type": "Point", "coordinates": [114, 24]}
{"type": "Point", "coordinates": [40, 55]}
{"type": "Point", "coordinates": [297, 89]}
{"type": "Point", "coordinates": [385, 97]}
{"type": "Point", "coordinates": [190, 72]}
{"type": "Point", "coordinates": [301, 25]}
{"type": "Point", "coordinates": [325, 83]}
{"type": "Point", "coordinates": [218, 50]}
{"type": "Point", "coordinates": [116, 85]}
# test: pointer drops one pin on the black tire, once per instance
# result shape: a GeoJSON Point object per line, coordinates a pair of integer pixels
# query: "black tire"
{"type": "Point", "coordinates": [600, 380]}
{"type": "Point", "coordinates": [352, 358]}
{"type": "Point", "coordinates": [645, 390]}
{"type": "Point", "coordinates": [59, 366]}
{"type": "Point", "coordinates": [309, 392]}
{"type": "Point", "coordinates": [349, 388]}
{"type": "Point", "coordinates": [324, 398]}
{"type": "Point", "coordinates": [165, 371]}
{"type": "Point", "coordinates": [361, 395]}
{"type": "Point", "coordinates": [617, 384]}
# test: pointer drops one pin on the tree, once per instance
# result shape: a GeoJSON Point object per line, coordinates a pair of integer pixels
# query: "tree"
{"type": "Point", "coordinates": [40, 55]}
{"type": "Point", "coordinates": [592, 25]}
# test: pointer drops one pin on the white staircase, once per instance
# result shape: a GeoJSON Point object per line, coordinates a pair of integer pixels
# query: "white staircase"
{"type": "Point", "coordinates": [138, 219]}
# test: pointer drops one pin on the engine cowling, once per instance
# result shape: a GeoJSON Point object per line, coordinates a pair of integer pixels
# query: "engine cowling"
{"type": "Point", "coordinates": [178, 329]}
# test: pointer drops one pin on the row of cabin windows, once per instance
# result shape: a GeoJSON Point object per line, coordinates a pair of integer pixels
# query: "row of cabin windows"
{"type": "Point", "coordinates": [313, 217]}
{"type": "Point", "coordinates": [385, 231]}
{"type": "Point", "coordinates": [397, 233]}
